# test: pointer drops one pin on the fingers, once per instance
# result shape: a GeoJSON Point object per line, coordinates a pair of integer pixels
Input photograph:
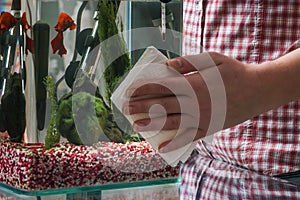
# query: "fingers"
{"type": "Point", "coordinates": [161, 87]}
{"type": "Point", "coordinates": [181, 140]}
{"type": "Point", "coordinates": [181, 65]}
{"type": "Point", "coordinates": [177, 85]}
{"type": "Point", "coordinates": [193, 63]}
{"type": "Point", "coordinates": [149, 88]}
{"type": "Point", "coordinates": [169, 122]}
{"type": "Point", "coordinates": [169, 104]}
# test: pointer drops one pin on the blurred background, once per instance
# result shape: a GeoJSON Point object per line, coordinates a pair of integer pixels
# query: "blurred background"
{"type": "Point", "coordinates": [5, 5]}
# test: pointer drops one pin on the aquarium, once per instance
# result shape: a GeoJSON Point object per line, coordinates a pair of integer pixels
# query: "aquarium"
{"type": "Point", "coordinates": [63, 61]}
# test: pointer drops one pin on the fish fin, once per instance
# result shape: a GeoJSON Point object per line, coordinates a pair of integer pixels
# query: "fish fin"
{"type": "Point", "coordinates": [29, 44]}
{"type": "Point", "coordinates": [57, 44]}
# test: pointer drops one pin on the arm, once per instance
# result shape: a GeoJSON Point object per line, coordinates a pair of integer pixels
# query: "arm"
{"type": "Point", "coordinates": [250, 90]}
{"type": "Point", "coordinates": [282, 79]}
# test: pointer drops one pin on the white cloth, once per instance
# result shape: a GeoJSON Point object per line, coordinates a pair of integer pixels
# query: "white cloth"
{"type": "Point", "coordinates": [152, 65]}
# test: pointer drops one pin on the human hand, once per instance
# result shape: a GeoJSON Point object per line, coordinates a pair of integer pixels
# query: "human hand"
{"type": "Point", "coordinates": [213, 92]}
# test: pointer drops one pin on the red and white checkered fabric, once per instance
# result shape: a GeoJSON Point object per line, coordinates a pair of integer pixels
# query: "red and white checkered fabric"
{"type": "Point", "coordinates": [252, 31]}
{"type": "Point", "coordinates": [208, 179]}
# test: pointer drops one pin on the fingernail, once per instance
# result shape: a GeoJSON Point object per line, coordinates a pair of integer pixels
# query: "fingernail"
{"type": "Point", "coordinates": [163, 147]}
{"type": "Point", "coordinates": [140, 125]}
{"type": "Point", "coordinates": [129, 92]}
{"type": "Point", "coordinates": [127, 109]}
{"type": "Point", "coordinates": [175, 63]}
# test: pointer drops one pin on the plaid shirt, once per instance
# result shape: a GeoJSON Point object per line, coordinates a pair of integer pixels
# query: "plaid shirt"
{"type": "Point", "coordinates": [252, 31]}
{"type": "Point", "coordinates": [207, 179]}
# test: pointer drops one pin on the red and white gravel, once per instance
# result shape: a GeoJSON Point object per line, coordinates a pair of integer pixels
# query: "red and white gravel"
{"type": "Point", "coordinates": [31, 167]}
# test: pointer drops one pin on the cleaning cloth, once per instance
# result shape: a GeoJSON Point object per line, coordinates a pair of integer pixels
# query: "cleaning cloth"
{"type": "Point", "coordinates": [151, 66]}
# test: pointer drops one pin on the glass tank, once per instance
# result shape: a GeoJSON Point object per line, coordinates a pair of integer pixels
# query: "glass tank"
{"type": "Point", "coordinates": [64, 60]}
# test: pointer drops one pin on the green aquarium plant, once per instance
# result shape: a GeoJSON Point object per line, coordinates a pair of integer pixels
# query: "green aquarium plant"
{"type": "Point", "coordinates": [112, 43]}
{"type": "Point", "coordinates": [82, 118]}
{"type": "Point", "coordinates": [52, 136]}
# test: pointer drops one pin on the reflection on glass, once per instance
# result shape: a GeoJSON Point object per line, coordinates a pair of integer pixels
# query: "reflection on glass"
{"type": "Point", "coordinates": [206, 178]}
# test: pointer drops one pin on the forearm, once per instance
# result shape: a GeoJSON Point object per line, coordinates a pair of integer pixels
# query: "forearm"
{"type": "Point", "coordinates": [280, 80]}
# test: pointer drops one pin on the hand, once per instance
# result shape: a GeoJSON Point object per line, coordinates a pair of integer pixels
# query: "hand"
{"type": "Point", "coordinates": [213, 93]}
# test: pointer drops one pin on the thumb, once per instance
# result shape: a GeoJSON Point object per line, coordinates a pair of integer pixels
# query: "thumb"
{"type": "Point", "coordinates": [192, 63]}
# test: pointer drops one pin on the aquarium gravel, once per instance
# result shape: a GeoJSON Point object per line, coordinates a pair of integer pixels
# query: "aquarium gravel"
{"type": "Point", "coordinates": [31, 167]}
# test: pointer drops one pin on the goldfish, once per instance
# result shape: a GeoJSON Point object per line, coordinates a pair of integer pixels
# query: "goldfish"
{"type": "Point", "coordinates": [7, 21]}
{"type": "Point", "coordinates": [64, 22]}
{"type": "Point", "coordinates": [26, 26]}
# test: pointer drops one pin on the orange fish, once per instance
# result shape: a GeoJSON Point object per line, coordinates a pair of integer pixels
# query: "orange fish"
{"type": "Point", "coordinates": [63, 23]}
{"type": "Point", "coordinates": [26, 26]}
{"type": "Point", "coordinates": [7, 21]}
